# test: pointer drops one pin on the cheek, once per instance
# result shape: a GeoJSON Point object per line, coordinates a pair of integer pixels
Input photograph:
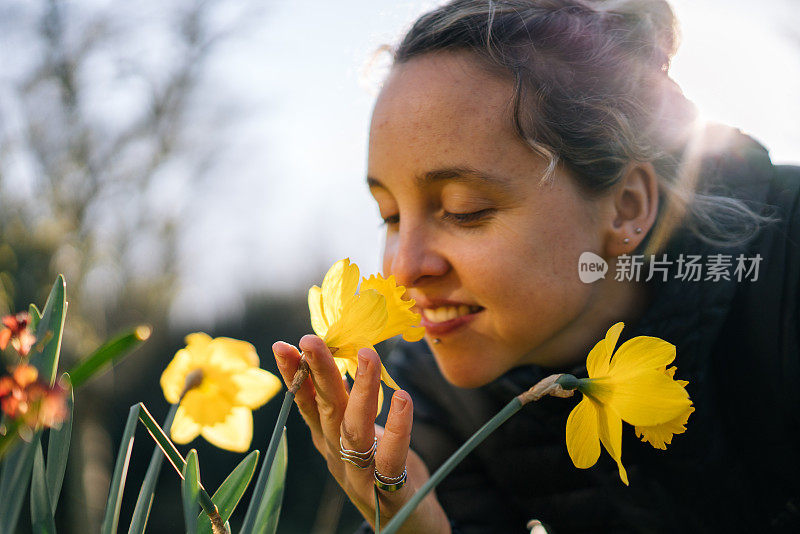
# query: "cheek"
{"type": "Point", "coordinates": [528, 275]}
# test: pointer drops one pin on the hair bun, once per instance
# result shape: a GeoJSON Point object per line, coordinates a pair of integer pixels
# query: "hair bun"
{"type": "Point", "coordinates": [651, 26]}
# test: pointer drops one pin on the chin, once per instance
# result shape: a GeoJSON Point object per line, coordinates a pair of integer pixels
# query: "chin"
{"type": "Point", "coordinates": [466, 374]}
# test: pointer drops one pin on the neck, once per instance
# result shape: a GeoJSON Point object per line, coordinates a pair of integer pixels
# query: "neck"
{"type": "Point", "coordinates": [611, 302]}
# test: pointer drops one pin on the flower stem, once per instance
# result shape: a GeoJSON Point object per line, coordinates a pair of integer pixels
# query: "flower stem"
{"type": "Point", "coordinates": [266, 467]}
{"type": "Point", "coordinates": [274, 441]}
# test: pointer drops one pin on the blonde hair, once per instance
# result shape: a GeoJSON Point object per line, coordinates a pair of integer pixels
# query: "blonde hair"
{"type": "Point", "coordinates": [592, 92]}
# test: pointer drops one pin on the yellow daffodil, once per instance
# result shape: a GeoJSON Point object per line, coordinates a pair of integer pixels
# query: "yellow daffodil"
{"type": "Point", "coordinates": [634, 386]}
{"type": "Point", "coordinates": [348, 318]}
{"type": "Point", "coordinates": [224, 384]}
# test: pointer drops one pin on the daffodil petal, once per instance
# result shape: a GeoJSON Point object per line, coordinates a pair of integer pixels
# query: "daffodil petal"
{"type": "Point", "coordinates": [256, 387]}
{"type": "Point", "coordinates": [659, 436]}
{"type": "Point", "coordinates": [598, 360]}
{"type": "Point", "coordinates": [610, 430]}
{"type": "Point", "coordinates": [352, 367]}
{"type": "Point", "coordinates": [173, 379]}
{"type": "Point", "coordinates": [646, 399]}
{"type": "Point", "coordinates": [360, 323]}
{"type": "Point", "coordinates": [342, 364]}
{"type": "Point", "coordinates": [318, 322]}
{"type": "Point", "coordinates": [233, 353]}
{"type": "Point", "coordinates": [233, 434]}
{"type": "Point", "coordinates": [380, 399]}
{"type": "Point", "coordinates": [197, 340]}
{"type": "Point", "coordinates": [388, 380]}
{"type": "Point", "coordinates": [583, 440]}
{"type": "Point", "coordinates": [338, 288]}
{"type": "Point", "coordinates": [642, 352]}
{"type": "Point", "coordinates": [414, 333]}
{"type": "Point", "coordinates": [184, 429]}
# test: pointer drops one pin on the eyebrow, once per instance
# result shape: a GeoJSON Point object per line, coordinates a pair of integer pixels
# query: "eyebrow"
{"type": "Point", "coordinates": [457, 174]}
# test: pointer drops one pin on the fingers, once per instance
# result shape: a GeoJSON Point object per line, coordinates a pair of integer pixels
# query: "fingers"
{"type": "Point", "coordinates": [390, 460]}
{"type": "Point", "coordinates": [358, 424]}
{"type": "Point", "coordinates": [288, 357]}
{"type": "Point", "coordinates": [331, 396]}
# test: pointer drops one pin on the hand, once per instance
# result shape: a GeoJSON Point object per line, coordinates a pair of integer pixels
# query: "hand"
{"type": "Point", "coordinates": [330, 412]}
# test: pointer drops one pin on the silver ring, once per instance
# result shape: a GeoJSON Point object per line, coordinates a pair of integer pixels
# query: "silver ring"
{"type": "Point", "coordinates": [360, 459]}
{"type": "Point", "coordinates": [390, 484]}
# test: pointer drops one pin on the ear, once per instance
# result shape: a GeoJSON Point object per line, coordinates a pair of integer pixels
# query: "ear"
{"type": "Point", "coordinates": [633, 210]}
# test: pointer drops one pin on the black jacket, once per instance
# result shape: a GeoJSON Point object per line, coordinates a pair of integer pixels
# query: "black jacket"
{"type": "Point", "coordinates": [737, 467]}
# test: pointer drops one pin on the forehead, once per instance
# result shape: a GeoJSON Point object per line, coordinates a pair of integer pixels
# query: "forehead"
{"type": "Point", "coordinates": [444, 106]}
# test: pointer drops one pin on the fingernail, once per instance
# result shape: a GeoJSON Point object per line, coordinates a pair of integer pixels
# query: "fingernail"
{"type": "Point", "coordinates": [363, 366]}
{"type": "Point", "coordinates": [398, 403]}
{"type": "Point", "coordinates": [308, 355]}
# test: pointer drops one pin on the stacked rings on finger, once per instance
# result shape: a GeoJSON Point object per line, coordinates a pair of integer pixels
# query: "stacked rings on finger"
{"type": "Point", "coordinates": [360, 459]}
{"type": "Point", "coordinates": [390, 483]}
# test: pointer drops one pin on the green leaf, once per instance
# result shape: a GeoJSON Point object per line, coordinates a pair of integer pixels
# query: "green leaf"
{"type": "Point", "coordinates": [190, 490]}
{"type": "Point", "coordinates": [9, 436]}
{"type": "Point", "coordinates": [230, 491]}
{"type": "Point", "coordinates": [36, 316]}
{"type": "Point", "coordinates": [42, 521]}
{"type": "Point", "coordinates": [141, 511]}
{"type": "Point", "coordinates": [111, 516]}
{"type": "Point", "coordinates": [161, 438]}
{"type": "Point", "coordinates": [269, 509]}
{"type": "Point", "coordinates": [110, 353]}
{"type": "Point", "coordinates": [58, 451]}
{"type": "Point", "coordinates": [171, 452]}
{"type": "Point", "coordinates": [49, 331]}
{"type": "Point", "coordinates": [14, 481]}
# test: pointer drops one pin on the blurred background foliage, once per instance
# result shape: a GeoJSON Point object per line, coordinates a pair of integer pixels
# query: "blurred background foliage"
{"type": "Point", "coordinates": [101, 106]}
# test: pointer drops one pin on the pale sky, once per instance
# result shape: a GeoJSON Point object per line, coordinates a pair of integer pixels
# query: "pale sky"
{"type": "Point", "coordinates": [291, 199]}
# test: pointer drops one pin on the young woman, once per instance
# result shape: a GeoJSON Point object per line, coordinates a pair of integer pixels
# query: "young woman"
{"type": "Point", "coordinates": [510, 138]}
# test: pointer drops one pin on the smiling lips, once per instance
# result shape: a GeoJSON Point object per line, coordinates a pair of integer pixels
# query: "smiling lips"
{"type": "Point", "coordinates": [440, 320]}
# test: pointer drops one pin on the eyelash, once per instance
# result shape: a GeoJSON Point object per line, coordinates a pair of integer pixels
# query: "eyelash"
{"type": "Point", "coordinates": [467, 218]}
{"type": "Point", "coordinates": [458, 218]}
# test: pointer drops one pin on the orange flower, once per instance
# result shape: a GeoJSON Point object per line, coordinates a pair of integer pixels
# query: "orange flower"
{"type": "Point", "coordinates": [17, 332]}
{"type": "Point", "coordinates": [23, 396]}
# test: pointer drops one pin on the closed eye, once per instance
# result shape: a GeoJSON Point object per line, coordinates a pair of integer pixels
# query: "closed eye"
{"type": "Point", "coordinates": [466, 218]}
{"type": "Point", "coordinates": [391, 219]}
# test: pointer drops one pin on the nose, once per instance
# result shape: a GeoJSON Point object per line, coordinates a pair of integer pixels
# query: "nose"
{"type": "Point", "coordinates": [413, 256]}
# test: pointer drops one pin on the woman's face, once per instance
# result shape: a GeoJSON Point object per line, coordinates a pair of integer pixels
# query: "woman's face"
{"type": "Point", "coordinates": [489, 254]}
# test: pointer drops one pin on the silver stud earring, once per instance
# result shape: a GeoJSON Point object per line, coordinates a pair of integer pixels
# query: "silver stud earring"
{"type": "Point", "coordinates": [626, 240]}
{"type": "Point", "coordinates": [436, 341]}
{"type": "Point", "coordinates": [638, 230]}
